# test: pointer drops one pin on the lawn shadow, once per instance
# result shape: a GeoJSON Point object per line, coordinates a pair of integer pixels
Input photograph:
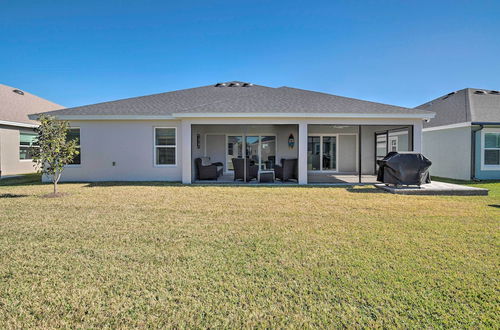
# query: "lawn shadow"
{"type": "Point", "coordinates": [494, 205]}
{"type": "Point", "coordinates": [360, 190]}
{"type": "Point", "coordinates": [13, 195]}
{"type": "Point", "coordinates": [210, 184]}
{"type": "Point", "coordinates": [22, 180]}
{"type": "Point", "coordinates": [130, 183]}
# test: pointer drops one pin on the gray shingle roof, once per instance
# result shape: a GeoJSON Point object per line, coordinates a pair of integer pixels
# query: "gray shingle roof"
{"type": "Point", "coordinates": [255, 99]}
{"type": "Point", "coordinates": [464, 106]}
{"type": "Point", "coordinates": [15, 107]}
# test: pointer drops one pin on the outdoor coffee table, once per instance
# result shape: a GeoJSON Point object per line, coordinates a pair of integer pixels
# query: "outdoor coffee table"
{"type": "Point", "coordinates": [266, 176]}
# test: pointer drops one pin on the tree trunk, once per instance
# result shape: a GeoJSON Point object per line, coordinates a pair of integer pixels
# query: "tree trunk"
{"type": "Point", "coordinates": [57, 176]}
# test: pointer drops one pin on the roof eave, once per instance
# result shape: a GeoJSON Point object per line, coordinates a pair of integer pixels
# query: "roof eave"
{"type": "Point", "coordinates": [17, 124]}
{"type": "Point", "coordinates": [183, 115]}
{"type": "Point", "coordinates": [429, 115]}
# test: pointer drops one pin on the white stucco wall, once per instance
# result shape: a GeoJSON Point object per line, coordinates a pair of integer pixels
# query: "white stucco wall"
{"type": "Point", "coordinates": [130, 144]}
{"type": "Point", "coordinates": [10, 163]}
{"type": "Point", "coordinates": [450, 152]}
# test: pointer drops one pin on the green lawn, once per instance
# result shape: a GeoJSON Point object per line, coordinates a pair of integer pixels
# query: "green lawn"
{"type": "Point", "coordinates": [121, 255]}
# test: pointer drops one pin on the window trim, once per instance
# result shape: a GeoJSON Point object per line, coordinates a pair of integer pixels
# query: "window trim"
{"type": "Point", "coordinates": [19, 155]}
{"type": "Point", "coordinates": [79, 147]}
{"type": "Point", "coordinates": [486, 167]}
{"type": "Point", "coordinates": [169, 146]}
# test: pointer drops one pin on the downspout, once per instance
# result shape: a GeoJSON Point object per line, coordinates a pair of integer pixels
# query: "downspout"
{"type": "Point", "coordinates": [1, 153]}
{"type": "Point", "coordinates": [473, 152]}
{"type": "Point", "coordinates": [359, 154]}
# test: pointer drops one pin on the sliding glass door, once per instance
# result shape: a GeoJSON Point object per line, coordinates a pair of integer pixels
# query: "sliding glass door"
{"type": "Point", "coordinates": [322, 153]}
{"type": "Point", "coordinates": [261, 149]}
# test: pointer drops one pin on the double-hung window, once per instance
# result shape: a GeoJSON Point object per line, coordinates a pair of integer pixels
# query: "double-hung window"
{"type": "Point", "coordinates": [27, 143]}
{"type": "Point", "coordinates": [491, 150]}
{"type": "Point", "coordinates": [165, 146]}
{"type": "Point", "coordinates": [74, 135]}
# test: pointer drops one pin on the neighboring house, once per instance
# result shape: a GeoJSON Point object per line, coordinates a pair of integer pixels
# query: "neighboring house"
{"type": "Point", "coordinates": [16, 129]}
{"type": "Point", "coordinates": [463, 140]}
{"type": "Point", "coordinates": [158, 137]}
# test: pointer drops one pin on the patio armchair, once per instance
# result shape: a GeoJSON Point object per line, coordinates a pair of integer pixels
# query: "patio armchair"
{"type": "Point", "coordinates": [287, 170]}
{"type": "Point", "coordinates": [207, 171]}
{"type": "Point", "coordinates": [252, 170]}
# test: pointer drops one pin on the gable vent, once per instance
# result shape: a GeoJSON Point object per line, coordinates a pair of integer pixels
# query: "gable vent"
{"type": "Point", "coordinates": [18, 91]}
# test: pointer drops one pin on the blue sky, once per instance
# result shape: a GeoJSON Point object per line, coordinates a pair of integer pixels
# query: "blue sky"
{"type": "Point", "coordinates": [396, 52]}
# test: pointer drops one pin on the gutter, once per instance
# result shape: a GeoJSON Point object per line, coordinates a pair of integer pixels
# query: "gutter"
{"type": "Point", "coordinates": [17, 124]}
{"type": "Point", "coordinates": [485, 123]}
{"type": "Point", "coordinates": [179, 116]}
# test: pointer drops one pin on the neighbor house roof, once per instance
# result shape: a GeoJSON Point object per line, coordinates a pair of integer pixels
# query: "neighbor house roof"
{"type": "Point", "coordinates": [16, 105]}
{"type": "Point", "coordinates": [228, 101]}
{"type": "Point", "coordinates": [467, 105]}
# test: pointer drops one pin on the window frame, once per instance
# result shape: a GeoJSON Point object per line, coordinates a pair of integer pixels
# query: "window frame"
{"type": "Point", "coordinates": [487, 167]}
{"type": "Point", "coordinates": [23, 146]}
{"type": "Point", "coordinates": [155, 146]}
{"type": "Point", "coordinates": [79, 147]}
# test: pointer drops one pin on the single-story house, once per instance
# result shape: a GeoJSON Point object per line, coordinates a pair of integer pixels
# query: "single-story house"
{"type": "Point", "coordinates": [17, 130]}
{"type": "Point", "coordinates": [171, 136]}
{"type": "Point", "coordinates": [463, 140]}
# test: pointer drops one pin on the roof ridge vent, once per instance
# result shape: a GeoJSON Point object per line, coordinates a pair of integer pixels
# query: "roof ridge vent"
{"type": "Point", "coordinates": [233, 84]}
{"type": "Point", "coordinates": [18, 91]}
{"type": "Point", "coordinates": [480, 92]}
{"type": "Point", "coordinates": [448, 95]}
{"type": "Point", "coordinates": [495, 92]}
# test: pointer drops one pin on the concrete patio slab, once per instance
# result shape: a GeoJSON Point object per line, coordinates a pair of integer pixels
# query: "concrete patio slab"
{"type": "Point", "coordinates": [435, 188]}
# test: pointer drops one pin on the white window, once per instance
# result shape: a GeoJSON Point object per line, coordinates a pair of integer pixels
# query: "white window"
{"type": "Point", "coordinates": [27, 143]}
{"type": "Point", "coordinates": [490, 149]}
{"type": "Point", "coordinates": [74, 134]}
{"type": "Point", "coordinates": [165, 143]}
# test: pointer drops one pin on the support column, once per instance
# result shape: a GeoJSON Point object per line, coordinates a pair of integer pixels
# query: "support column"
{"type": "Point", "coordinates": [417, 136]}
{"type": "Point", "coordinates": [187, 164]}
{"type": "Point", "coordinates": [302, 162]}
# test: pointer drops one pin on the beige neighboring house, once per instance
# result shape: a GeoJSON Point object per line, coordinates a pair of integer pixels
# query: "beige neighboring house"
{"type": "Point", "coordinates": [17, 130]}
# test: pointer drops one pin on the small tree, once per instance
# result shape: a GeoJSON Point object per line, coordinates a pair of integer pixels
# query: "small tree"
{"type": "Point", "coordinates": [54, 149]}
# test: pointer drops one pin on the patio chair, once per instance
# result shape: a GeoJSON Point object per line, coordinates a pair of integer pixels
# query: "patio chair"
{"type": "Point", "coordinates": [287, 170]}
{"type": "Point", "coordinates": [207, 171]}
{"type": "Point", "coordinates": [252, 170]}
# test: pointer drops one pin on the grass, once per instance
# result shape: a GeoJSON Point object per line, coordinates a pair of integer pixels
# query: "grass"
{"type": "Point", "coordinates": [137, 255]}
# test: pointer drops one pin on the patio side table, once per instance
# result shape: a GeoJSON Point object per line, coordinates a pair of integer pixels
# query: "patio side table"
{"type": "Point", "coordinates": [266, 176]}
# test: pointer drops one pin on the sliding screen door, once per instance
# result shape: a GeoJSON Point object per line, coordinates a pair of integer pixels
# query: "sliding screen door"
{"type": "Point", "coordinates": [267, 152]}
{"type": "Point", "coordinates": [234, 150]}
{"type": "Point", "coordinates": [329, 153]}
{"type": "Point", "coordinates": [322, 153]}
{"type": "Point", "coordinates": [314, 153]}
{"type": "Point", "coordinates": [252, 147]}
